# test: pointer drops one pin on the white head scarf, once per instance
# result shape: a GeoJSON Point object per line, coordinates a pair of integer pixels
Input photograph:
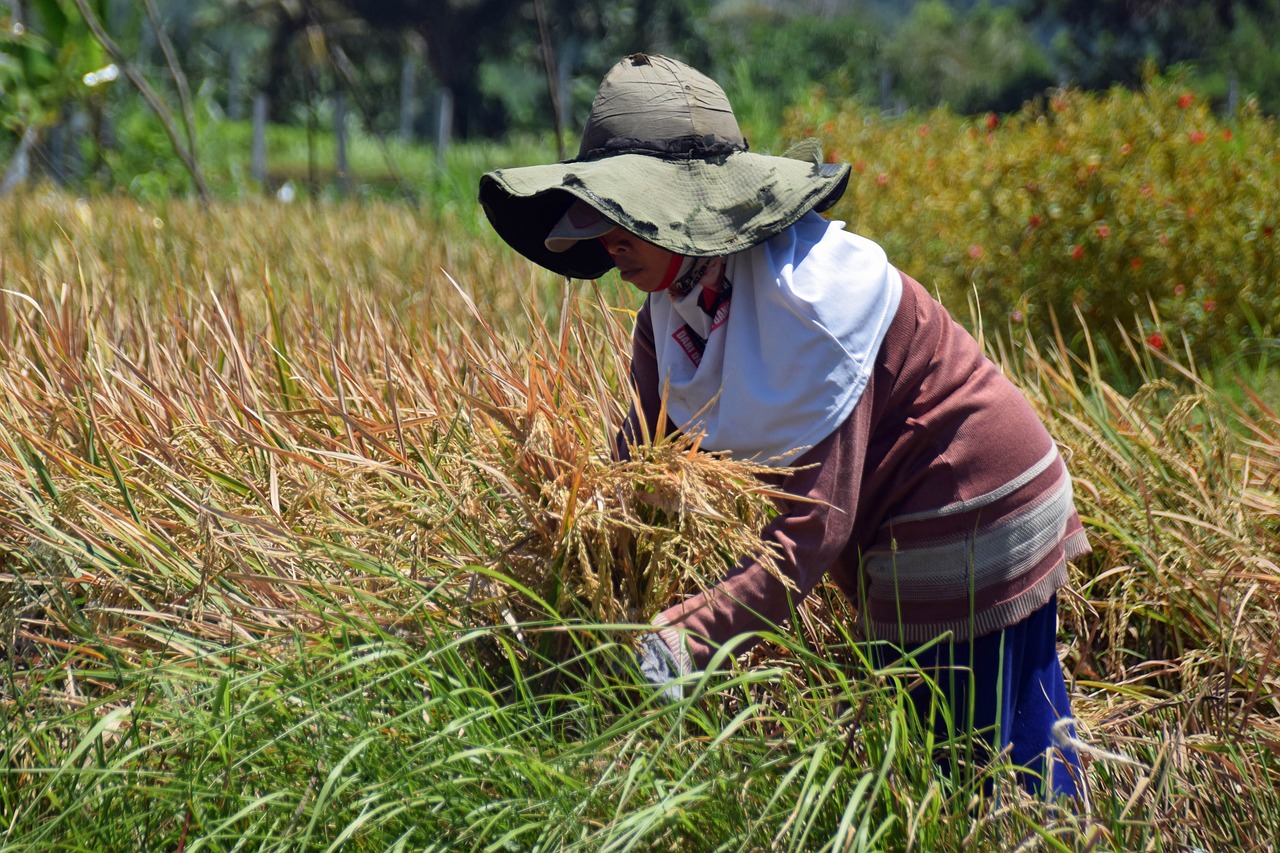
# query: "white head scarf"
{"type": "Point", "coordinates": [790, 359]}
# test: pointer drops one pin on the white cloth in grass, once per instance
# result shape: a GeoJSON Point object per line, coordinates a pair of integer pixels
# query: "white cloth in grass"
{"type": "Point", "coordinates": [808, 312]}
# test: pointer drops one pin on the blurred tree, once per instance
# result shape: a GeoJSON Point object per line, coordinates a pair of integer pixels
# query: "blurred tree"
{"type": "Point", "coordinates": [985, 59]}
{"type": "Point", "coordinates": [769, 54]}
{"type": "Point", "coordinates": [50, 63]}
{"type": "Point", "coordinates": [1099, 43]}
{"type": "Point", "coordinates": [1248, 57]}
{"type": "Point", "coordinates": [459, 35]}
{"type": "Point", "coordinates": [589, 36]}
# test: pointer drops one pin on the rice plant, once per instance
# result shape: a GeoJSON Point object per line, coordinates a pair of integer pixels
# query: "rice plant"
{"type": "Point", "coordinates": [311, 537]}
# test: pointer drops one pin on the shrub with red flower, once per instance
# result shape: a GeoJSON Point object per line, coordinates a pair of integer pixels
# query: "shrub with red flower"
{"type": "Point", "coordinates": [1110, 209]}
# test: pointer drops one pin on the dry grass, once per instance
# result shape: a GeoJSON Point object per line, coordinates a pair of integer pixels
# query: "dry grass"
{"type": "Point", "coordinates": [184, 456]}
{"type": "Point", "coordinates": [232, 432]}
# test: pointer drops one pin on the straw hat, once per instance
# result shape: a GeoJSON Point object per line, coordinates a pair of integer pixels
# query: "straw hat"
{"type": "Point", "coordinates": [662, 156]}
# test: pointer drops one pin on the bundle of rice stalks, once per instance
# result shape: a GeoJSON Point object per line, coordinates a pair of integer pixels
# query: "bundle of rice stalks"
{"type": "Point", "coordinates": [585, 534]}
{"type": "Point", "coordinates": [187, 474]}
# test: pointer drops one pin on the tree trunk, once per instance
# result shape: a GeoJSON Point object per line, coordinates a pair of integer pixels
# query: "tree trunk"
{"type": "Point", "coordinates": [20, 165]}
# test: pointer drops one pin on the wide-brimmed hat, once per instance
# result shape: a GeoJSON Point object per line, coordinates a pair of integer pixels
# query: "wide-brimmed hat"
{"type": "Point", "coordinates": [662, 156]}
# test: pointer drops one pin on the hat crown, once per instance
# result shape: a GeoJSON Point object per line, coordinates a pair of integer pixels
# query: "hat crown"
{"type": "Point", "coordinates": [658, 105]}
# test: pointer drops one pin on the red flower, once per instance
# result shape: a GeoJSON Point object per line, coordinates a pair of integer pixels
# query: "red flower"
{"type": "Point", "coordinates": [975, 252]}
{"type": "Point", "coordinates": [1196, 136]}
{"type": "Point", "coordinates": [1077, 252]}
{"type": "Point", "coordinates": [1164, 239]}
{"type": "Point", "coordinates": [1268, 230]}
{"type": "Point", "coordinates": [1179, 289]}
{"type": "Point", "coordinates": [1155, 340]}
{"type": "Point", "coordinates": [1104, 231]}
{"type": "Point", "coordinates": [1016, 316]}
{"type": "Point", "coordinates": [1226, 134]}
{"type": "Point", "coordinates": [993, 121]}
{"type": "Point", "coordinates": [1135, 264]}
{"type": "Point", "coordinates": [1185, 100]}
{"type": "Point", "coordinates": [882, 178]}
{"type": "Point", "coordinates": [1209, 305]}
{"type": "Point", "coordinates": [828, 127]}
{"type": "Point", "coordinates": [859, 166]}
{"type": "Point", "coordinates": [923, 130]}
{"type": "Point", "coordinates": [1034, 221]}
{"type": "Point", "coordinates": [1145, 190]}
{"type": "Point", "coordinates": [1126, 148]}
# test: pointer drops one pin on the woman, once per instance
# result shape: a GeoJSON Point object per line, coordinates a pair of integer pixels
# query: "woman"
{"type": "Point", "coordinates": [934, 497]}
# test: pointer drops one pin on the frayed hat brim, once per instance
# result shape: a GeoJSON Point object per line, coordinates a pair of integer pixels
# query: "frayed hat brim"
{"type": "Point", "coordinates": [695, 207]}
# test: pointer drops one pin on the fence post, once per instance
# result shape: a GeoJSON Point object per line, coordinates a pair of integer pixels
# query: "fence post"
{"type": "Point", "coordinates": [235, 87]}
{"type": "Point", "coordinates": [259, 160]}
{"type": "Point", "coordinates": [340, 135]}
{"type": "Point", "coordinates": [408, 95]}
{"type": "Point", "coordinates": [444, 124]}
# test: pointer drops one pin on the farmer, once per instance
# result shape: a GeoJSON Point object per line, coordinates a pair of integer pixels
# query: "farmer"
{"type": "Point", "coordinates": [934, 497]}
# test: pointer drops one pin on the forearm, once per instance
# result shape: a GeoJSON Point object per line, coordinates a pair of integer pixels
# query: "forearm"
{"type": "Point", "coordinates": [807, 538]}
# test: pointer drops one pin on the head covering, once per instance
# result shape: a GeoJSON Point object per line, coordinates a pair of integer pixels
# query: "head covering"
{"type": "Point", "coordinates": [781, 364]}
{"type": "Point", "coordinates": [663, 157]}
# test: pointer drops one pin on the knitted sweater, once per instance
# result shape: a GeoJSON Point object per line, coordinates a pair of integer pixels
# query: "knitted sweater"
{"type": "Point", "coordinates": [940, 505]}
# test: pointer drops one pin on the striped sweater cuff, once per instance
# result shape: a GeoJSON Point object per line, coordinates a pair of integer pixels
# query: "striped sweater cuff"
{"type": "Point", "coordinates": [679, 648]}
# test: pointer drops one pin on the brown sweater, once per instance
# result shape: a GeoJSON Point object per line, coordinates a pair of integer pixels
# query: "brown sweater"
{"type": "Point", "coordinates": [939, 505]}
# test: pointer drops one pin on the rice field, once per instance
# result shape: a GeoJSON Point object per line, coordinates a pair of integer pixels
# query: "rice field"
{"type": "Point", "coordinates": [310, 538]}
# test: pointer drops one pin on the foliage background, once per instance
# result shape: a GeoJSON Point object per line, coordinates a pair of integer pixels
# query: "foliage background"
{"type": "Point", "coordinates": [1137, 212]}
{"type": "Point", "coordinates": [304, 488]}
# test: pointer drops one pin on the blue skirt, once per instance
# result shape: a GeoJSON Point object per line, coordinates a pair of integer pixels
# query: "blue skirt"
{"type": "Point", "coordinates": [1007, 688]}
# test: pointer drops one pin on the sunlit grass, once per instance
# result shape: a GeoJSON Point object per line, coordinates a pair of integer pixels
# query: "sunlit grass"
{"type": "Point", "coordinates": [309, 536]}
